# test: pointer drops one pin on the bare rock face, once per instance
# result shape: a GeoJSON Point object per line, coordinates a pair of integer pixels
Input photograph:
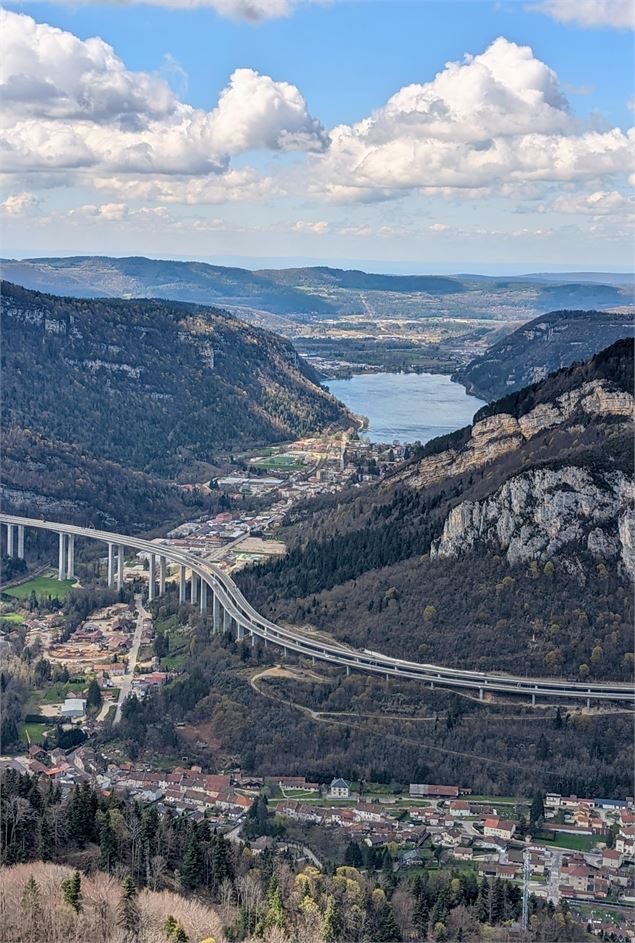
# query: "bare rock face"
{"type": "Point", "coordinates": [496, 435]}
{"type": "Point", "coordinates": [535, 515]}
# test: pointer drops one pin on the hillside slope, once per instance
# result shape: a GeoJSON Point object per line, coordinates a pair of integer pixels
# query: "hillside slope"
{"type": "Point", "coordinates": [541, 346]}
{"type": "Point", "coordinates": [155, 388]}
{"type": "Point", "coordinates": [310, 292]}
{"type": "Point", "coordinates": [512, 538]}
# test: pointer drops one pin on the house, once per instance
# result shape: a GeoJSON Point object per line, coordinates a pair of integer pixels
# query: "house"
{"type": "Point", "coordinates": [612, 858]}
{"type": "Point", "coordinates": [339, 789]}
{"type": "Point", "coordinates": [417, 790]}
{"type": "Point", "coordinates": [451, 837]}
{"type": "Point", "coordinates": [578, 877]}
{"type": "Point", "coordinates": [499, 828]}
{"type": "Point", "coordinates": [463, 854]}
{"type": "Point", "coordinates": [625, 841]}
{"type": "Point", "coordinates": [74, 708]}
{"type": "Point", "coordinates": [366, 812]}
{"type": "Point", "coordinates": [410, 859]}
{"type": "Point", "coordinates": [459, 807]}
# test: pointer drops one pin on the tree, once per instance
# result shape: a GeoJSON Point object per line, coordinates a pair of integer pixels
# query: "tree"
{"type": "Point", "coordinates": [353, 855]}
{"type": "Point", "coordinates": [421, 916]}
{"type": "Point", "coordinates": [332, 922]}
{"type": "Point", "coordinates": [31, 907]}
{"type": "Point", "coordinates": [537, 811]}
{"type": "Point", "coordinates": [93, 697]}
{"type": "Point", "coordinates": [128, 916]}
{"type": "Point", "coordinates": [72, 888]}
{"type": "Point", "coordinates": [107, 844]}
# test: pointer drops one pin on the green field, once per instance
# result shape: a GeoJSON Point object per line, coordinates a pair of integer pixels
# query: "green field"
{"type": "Point", "coordinates": [59, 690]}
{"type": "Point", "coordinates": [286, 462]}
{"type": "Point", "coordinates": [34, 733]}
{"type": "Point", "coordinates": [42, 586]}
{"type": "Point", "coordinates": [11, 617]}
{"type": "Point", "coordinates": [575, 842]}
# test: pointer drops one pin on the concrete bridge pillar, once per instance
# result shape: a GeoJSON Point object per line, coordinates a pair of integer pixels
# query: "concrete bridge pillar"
{"type": "Point", "coordinates": [240, 631]}
{"type": "Point", "coordinates": [194, 588]}
{"type": "Point", "coordinates": [162, 571]}
{"type": "Point", "coordinates": [182, 583]}
{"type": "Point", "coordinates": [10, 541]}
{"type": "Point", "coordinates": [253, 639]}
{"type": "Point", "coordinates": [203, 595]}
{"type": "Point", "coordinates": [120, 556]}
{"type": "Point", "coordinates": [111, 564]}
{"type": "Point", "coordinates": [348, 670]}
{"type": "Point", "coordinates": [70, 556]}
{"type": "Point", "coordinates": [21, 541]}
{"type": "Point", "coordinates": [227, 621]}
{"type": "Point", "coordinates": [480, 694]}
{"type": "Point", "coordinates": [588, 700]}
{"type": "Point", "coordinates": [217, 610]}
{"type": "Point", "coordinates": [61, 565]}
{"type": "Point", "coordinates": [152, 576]}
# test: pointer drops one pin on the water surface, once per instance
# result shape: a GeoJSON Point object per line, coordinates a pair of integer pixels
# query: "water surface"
{"type": "Point", "coordinates": [407, 406]}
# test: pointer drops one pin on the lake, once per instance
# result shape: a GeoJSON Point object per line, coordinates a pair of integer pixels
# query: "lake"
{"type": "Point", "coordinates": [406, 406]}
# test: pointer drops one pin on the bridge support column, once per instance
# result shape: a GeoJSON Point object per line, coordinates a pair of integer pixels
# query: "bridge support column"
{"type": "Point", "coordinates": [432, 685]}
{"type": "Point", "coordinates": [120, 556]}
{"type": "Point", "coordinates": [162, 570]}
{"type": "Point", "coordinates": [240, 631]}
{"type": "Point", "coordinates": [203, 595]}
{"type": "Point", "coordinates": [61, 564]}
{"type": "Point", "coordinates": [111, 564]}
{"type": "Point", "coordinates": [227, 621]}
{"type": "Point", "coordinates": [70, 556]}
{"type": "Point", "coordinates": [348, 670]}
{"type": "Point", "coordinates": [480, 694]}
{"type": "Point", "coordinates": [10, 541]}
{"type": "Point", "coordinates": [182, 583]}
{"type": "Point", "coordinates": [21, 541]}
{"type": "Point", "coordinates": [533, 700]}
{"type": "Point", "coordinates": [253, 639]}
{"type": "Point", "coordinates": [194, 588]}
{"type": "Point", "coordinates": [217, 614]}
{"type": "Point", "coordinates": [588, 701]}
{"type": "Point", "coordinates": [152, 578]}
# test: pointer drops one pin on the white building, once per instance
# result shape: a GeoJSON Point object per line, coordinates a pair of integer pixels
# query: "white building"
{"type": "Point", "coordinates": [339, 789]}
{"type": "Point", "coordinates": [74, 708]}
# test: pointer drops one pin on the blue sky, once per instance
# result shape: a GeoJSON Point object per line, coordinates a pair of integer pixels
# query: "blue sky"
{"type": "Point", "coordinates": [395, 194]}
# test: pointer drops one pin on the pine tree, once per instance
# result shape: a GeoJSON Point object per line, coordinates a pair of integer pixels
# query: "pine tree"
{"type": "Point", "coordinates": [45, 839]}
{"type": "Point", "coordinates": [128, 916]}
{"type": "Point", "coordinates": [31, 907]}
{"type": "Point", "coordinates": [107, 844]}
{"type": "Point", "coordinates": [72, 888]}
{"type": "Point", "coordinates": [192, 866]}
{"type": "Point", "coordinates": [421, 916]}
{"type": "Point", "coordinates": [353, 855]}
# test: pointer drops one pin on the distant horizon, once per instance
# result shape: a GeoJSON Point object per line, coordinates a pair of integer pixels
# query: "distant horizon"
{"type": "Point", "coordinates": [369, 266]}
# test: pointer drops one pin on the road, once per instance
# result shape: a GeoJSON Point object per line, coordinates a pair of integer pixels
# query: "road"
{"type": "Point", "coordinates": [126, 681]}
{"type": "Point", "coordinates": [291, 639]}
{"type": "Point", "coordinates": [553, 892]}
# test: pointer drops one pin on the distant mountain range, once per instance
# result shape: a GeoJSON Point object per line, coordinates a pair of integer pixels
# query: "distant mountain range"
{"type": "Point", "coordinates": [541, 346]}
{"type": "Point", "coordinates": [317, 291]}
{"type": "Point", "coordinates": [105, 402]}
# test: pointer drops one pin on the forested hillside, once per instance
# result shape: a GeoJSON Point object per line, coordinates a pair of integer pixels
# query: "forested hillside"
{"type": "Point", "coordinates": [541, 346]}
{"type": "Point", "coordinates": [527, 512]}
{"type": "Point", "coordinates": [160, 390]}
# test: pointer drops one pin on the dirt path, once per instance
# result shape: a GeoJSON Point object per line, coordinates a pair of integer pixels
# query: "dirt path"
{"type": "Point", "coordinates": [325, 717]}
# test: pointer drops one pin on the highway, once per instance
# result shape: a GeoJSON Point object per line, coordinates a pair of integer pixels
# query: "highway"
{"type": "Point", "coordinates": [247, 620]}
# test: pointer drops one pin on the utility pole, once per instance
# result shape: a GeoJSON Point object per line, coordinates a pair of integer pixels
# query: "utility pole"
{"type": "Point", "coordinates": [526, 873]}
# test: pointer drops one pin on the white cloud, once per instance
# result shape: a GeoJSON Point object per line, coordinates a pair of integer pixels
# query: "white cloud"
{"type": "Point", "coordinates": [318, 228]}
{"type": "Point", "coordinates": [253, 11]}
{"type": "Point", "coordinates": [234, 186]}
{"type": "Point", "coordinates": [70, 103]}
{"type": "Point", "coordinates": [19, 204]}
{"type": "Point", "coordinates": [619, 14]}
{"type": "Point", "coordinates": [496, 119]}
{"type": "Point", "coordinates": [598, 203]}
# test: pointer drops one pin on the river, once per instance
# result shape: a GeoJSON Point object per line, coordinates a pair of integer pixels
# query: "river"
{"type": "Point", "coordinates": [406, 406]}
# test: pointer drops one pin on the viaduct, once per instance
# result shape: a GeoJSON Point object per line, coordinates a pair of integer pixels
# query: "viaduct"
{"type": "Point", "coordinates": [204, 584]}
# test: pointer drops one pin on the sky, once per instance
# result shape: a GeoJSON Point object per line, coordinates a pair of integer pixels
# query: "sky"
{"type": "Point", "coordinates": [415, 136]}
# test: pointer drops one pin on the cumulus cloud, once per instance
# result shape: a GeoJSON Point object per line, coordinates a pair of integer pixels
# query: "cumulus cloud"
{"type": "Point", "coordinates": [619, 14]}
{"type": "Point", "coordinates": [320, 227]}
{"type": "Point", "coordinates": [236, 185]}
{"type": "Point", "coordinates": [598, 203]}
{"type": "Point", "coordinates": [492, 120]}
{"type": "Point", "coordinates": [19, 204]}
{"type": "Point", "coordinates": [72, 104]}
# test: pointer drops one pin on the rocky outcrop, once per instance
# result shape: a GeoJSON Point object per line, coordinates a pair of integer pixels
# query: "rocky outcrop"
{"type": "Point", "coordinates": [502, 433]}
{"type": "Point", "coordinates": [539, 513]}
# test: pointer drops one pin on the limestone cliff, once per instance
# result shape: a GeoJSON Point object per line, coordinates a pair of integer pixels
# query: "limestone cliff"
{"type": "Point", "coordinates": [540, 513]}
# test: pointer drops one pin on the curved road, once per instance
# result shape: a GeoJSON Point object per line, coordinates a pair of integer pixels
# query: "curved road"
{"type": "Point", "coordinates": [248, 621]}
